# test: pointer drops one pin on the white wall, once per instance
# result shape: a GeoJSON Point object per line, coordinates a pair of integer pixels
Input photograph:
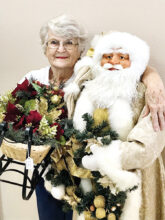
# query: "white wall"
{"type": "Point", "coordinates": [20, 52]}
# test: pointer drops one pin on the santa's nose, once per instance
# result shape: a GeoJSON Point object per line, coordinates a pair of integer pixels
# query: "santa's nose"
{"type": "Point", "coordinates": [114, 60]}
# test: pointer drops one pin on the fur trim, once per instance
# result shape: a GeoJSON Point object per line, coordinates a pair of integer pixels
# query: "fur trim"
{"type": "Point", "coordinates": [121, 121]}
{"type": "Point", "coordinates": [137, 49]}
{"type": "Point", "coordinates": [83, 105]}
{"type": "Point", "coordinates": [80, 217]}
{"type": "Point", "coordinates": [58, 192]}
{"type": "Point", "coordinates": [86, 185]}
{"type": "Point", "coordinates": [96, 39]}
{"type": "Point", "coordinates": [132, 205]}
{"type": "Point", "coordinates": [73, 89]}
{"type": "Point", "coordinates": [107, 160]}
{"type": "Point", "coordinates": [85, 61]}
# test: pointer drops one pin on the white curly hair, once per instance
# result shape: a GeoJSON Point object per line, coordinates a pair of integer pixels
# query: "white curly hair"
{"type": "Point", "coordinates": [64, 26]}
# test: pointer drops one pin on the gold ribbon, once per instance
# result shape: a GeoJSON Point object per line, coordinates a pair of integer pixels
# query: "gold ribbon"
{"type": "Point", "coordinates": [63, 159]}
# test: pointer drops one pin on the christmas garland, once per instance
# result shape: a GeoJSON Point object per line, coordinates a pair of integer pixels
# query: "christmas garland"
{"type": "Point", "coordinates": [102, 202]}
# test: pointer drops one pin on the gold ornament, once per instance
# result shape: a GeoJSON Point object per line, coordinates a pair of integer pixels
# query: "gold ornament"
{"type": "Point", "coordinates": [55, 99]}
{"type": "Point", "coordinates": [43, 106]}
{"type": "Point", "coordinates": [99, 201]}
{"type": "Point", "coordinates": [55, 88]}
{"type": "Point", "coordinates": [100, 213]}
{"type": "Point", "coordinates": [90, 52]}
{"type": "Point", "coordinates": [100, 115]}
{"type": "Point", "coordinates": [53, 115]}
{"type": "Point", "coordinates": [2, 116]}
{"type": "Point", "coordinates": [111, 216]}
{"type": "Point", "coordinates": [87, 215]}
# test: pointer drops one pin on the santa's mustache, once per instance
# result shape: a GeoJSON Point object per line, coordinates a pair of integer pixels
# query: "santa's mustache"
{"type": "Point", "coordinates": [108, 66]}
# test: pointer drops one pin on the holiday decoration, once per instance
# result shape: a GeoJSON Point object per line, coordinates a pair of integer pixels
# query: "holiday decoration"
{"type": "Point", "coordinates": [111, 216]}
{"type": "Point", "coordinates": [100, 213]}
{"type": "Point", "coordinates": [35, 105]}
{"type": "Point", "coordinates": [89, 192]}
{"type": "Point", "coordinates": [99, 201]}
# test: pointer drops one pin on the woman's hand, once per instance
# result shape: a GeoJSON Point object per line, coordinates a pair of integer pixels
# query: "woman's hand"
{"type": "Point", "coordinates": [155, 98]}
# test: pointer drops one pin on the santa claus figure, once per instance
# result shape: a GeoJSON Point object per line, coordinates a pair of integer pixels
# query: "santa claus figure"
{"type": "Point", "coordinates": [118, 63]}
{"type": "Point", "coordinates": [116, 94]}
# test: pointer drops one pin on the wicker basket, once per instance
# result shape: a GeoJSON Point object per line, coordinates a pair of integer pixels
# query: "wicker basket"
{"type": "Point", "coordinates": [18, 151]}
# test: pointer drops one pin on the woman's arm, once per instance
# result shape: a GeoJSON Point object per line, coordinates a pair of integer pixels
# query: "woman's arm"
{"type": "Point", "coordinates": [155, 98]}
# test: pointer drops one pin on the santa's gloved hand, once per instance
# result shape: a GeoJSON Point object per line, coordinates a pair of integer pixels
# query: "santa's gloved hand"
{"type": "Point", "coordinates": [102, 157]}
{"type": "Point", "coordinates": [107, 160]}
{"type": "Point", "coordinates": [90, 162]}
{"type": "Point", "coordinates": [57, 192]}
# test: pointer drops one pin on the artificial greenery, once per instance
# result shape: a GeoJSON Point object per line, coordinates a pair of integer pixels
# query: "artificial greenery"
{"type": "Point", "coordinates": [17, 136]}
{"type": "Point", "coordinates": [79, 154]}
{"type": "Point", "coordinates": [92, 131]}
{"type": "Point", "coordinates": [61, 178]}
{"type": "Point", "coordinates": [111, 200]}
{"type": "Point", "coordinates": [66, 207]}
{"type": "Point", "coordinates": [68, 127]}
{"type": "Point", "coordinates": [86, 201]}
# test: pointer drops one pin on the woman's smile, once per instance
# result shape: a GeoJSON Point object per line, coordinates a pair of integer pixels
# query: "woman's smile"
{"type": "Point", "coordinates": [61, 57]}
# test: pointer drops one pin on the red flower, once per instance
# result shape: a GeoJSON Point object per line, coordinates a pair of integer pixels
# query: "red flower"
{"type": "Point", "coordinates": [12, 113]}
{"type": "Point", "coordinates": [58, 92]}
{"type": "Point", "coordinates": [60, 131]}
{"type": "Point", "coordinates": [35, 129]}
{"type": "Point", "coordinates": [26, 87]}
{"type": "Point", "coordinates": [33, 93]}
{"type": "Point", "coordinates": [20, 124]}
{"type": "Point", "coordinates": [64, 113]}
{"type": "Point", "coordinates": [61, 92]}
{"type": "Point", "coordinates": [34, 117]}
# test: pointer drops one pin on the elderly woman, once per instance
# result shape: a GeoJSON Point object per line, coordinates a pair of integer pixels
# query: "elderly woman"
{"type": "Point", "coordinates": [63, 41]}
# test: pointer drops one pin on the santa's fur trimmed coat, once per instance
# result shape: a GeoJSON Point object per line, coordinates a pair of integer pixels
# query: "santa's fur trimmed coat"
{"type": "Point", "coordinates": [142, 150]}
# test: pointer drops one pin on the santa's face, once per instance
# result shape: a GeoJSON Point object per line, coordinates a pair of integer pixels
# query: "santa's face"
{"type": "Point", "coordinates": [115, 61]}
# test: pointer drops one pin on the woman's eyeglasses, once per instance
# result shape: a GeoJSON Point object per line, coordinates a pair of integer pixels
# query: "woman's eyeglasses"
{"type": "Point", "coordinates": [55, 44]}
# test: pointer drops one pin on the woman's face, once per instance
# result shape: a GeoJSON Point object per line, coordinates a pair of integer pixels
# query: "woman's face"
{"type": "Point", "coordinates": [62, 52]}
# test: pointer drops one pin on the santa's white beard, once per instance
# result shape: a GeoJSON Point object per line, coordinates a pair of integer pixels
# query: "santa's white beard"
{"type": "Point", "coordinates": [111, 84]}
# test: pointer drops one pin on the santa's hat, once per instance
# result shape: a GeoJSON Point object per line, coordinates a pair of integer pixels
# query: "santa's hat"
{"type": "Point", "coordinates": [126, 43]}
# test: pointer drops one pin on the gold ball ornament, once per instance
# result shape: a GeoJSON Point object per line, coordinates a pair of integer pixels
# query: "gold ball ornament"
{"type": "Point", "coordinates": [55, 99]}
{"type": "Point", "coordinates": [100, 213]}
{"type": "Point", "coordinates": [55, 88]}
{"type": "Point", "coordinates": [87, 215]}
{"type": "Point", "coordinates": [111, 216]}
{"type": "Point", "coordinates": [49, 92]}
{"type": "Point", "coordinates": [100, 115]}
{"type": "Point", "coordinates": [99, 201]}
